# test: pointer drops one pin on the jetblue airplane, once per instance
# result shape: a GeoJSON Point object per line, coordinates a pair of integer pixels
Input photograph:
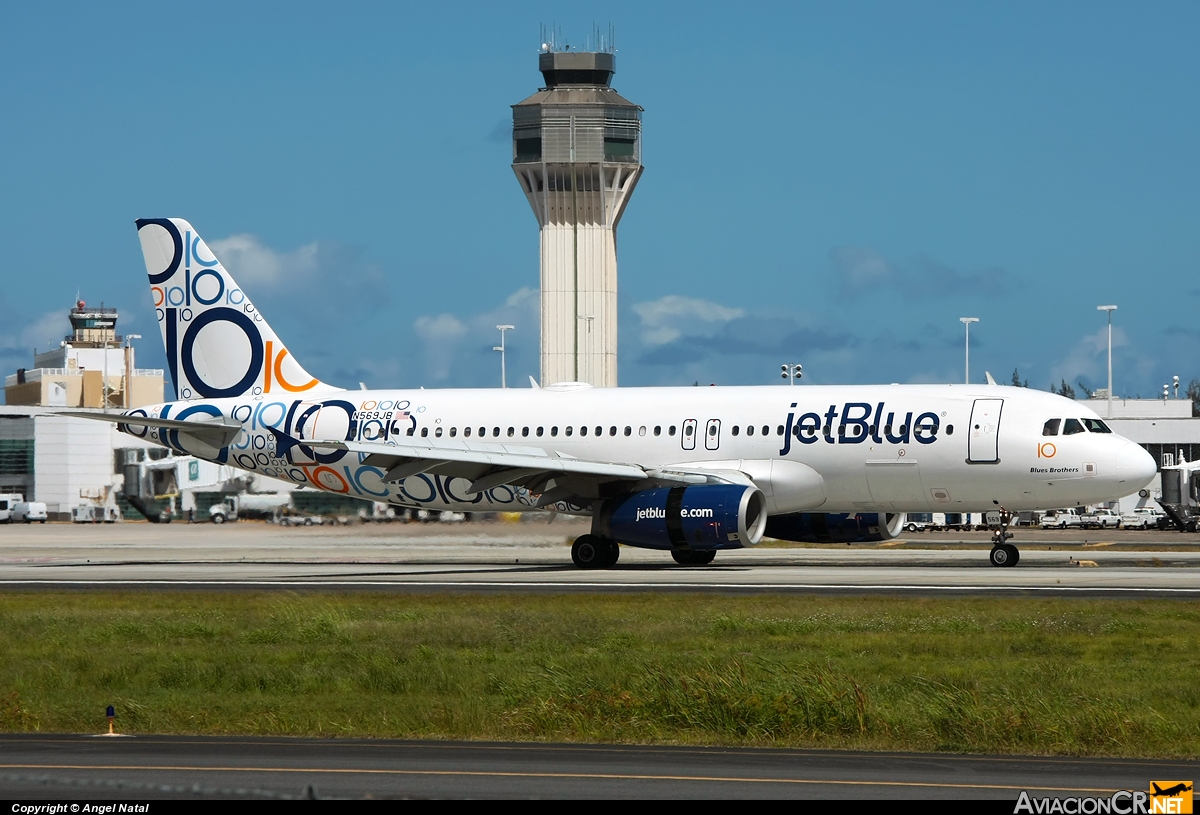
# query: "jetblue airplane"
{"type": "Point", "coordinates": [686, 470]}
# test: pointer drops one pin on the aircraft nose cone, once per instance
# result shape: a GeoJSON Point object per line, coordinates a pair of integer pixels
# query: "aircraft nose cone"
{"type": "Point", "coordinates": [1135, 466]}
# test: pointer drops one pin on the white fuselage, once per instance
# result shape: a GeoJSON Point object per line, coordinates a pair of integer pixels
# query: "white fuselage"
{"type": "Point", "coordinates": [888, 448]}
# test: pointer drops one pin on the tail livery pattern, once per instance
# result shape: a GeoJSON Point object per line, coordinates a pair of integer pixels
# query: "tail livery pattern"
{"type": "Point", "coordinates": [218, 344]}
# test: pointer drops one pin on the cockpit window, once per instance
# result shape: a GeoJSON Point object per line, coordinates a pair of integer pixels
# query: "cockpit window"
{"type": "Point", "coordinates": [1072, 427]}
{"type": "Point", "coordinates": [1096, 426]}
{"type": "Point", "coordinates": [1050, 428]}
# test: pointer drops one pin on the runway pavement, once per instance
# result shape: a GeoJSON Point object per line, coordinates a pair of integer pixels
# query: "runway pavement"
{"type": "Point", "coordinates": [155, 767]}
{"type": "Point", "coordinates": [536, 557]}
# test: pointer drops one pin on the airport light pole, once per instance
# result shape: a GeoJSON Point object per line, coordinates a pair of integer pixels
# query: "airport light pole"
{"type": "Point", "coordinates": [966, 321]}
{"type": "Point", "coordinates": [1110, 310]}
{"type": "Point", "coordinates": [128, 387]}
{"type": "Point", "coordinates": [792, 371]}
{"type": "Point", "coordinates": [500, 348]}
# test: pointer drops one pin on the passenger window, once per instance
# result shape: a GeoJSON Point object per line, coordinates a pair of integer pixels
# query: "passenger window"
{"type": "Point", "coordinates": [734, 430]}
{"type": "Point", "coordinates": [628, 430]}
{"type": "Point", "coordinates": [796, 431]}
{"type": "Point", "coordinates": [511, 432]}
{"type": "Point", "coordinates": [766, 431]}
{"type": "Point", "coordinates": [482, 432]}
{"type": "Point", "coordinates": [658, 430]}
{"type": "Point", "coordinates": [539, 431]}
{"type": "Point", "coordinates": [438, 432]}
{"type": "Point", "coordinates": [524, 431]}
{"type": "Point", "coordinates": [779, 430]}
{"type": "Point", "coordinates": [424, 432]}
{"type": "Point", "coordinates": [568, 430]}
{"type": "Point", "coordinates": [671, 430]}
{"type": "Point", "coordinates": [687, 431]}
{"type": "Point", "coordinates": [1096, 426]}
{"type": "Point", "coordinates": [495, 431]}
{"type": "Point", "coordinates": [1050, 428]}
{"type": "Point", "coordinates": [554, 430]}
{"type": "Point", "coordinates": [453, 432]}
{"type": "Point", "coordinates": [749, 430]}
{"type": "Point", "coordinates": [612, 431]}
{"type": "Point", "coordinates": [411, 430]}
{"type": "Point", "coordinates": [1071, 427]}
{"type": "Point", "coordinates": [642, 430]}
{"type": "Point", "coordinates": [949, 430]}
{"type": "Point", "coordinates": [466, 432]}
{"type": "Point", "coordinates": [583, 430]}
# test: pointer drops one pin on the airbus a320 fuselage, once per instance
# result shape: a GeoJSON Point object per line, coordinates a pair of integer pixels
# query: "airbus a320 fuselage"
{"type": "Point", "coordinates": [690, 470]}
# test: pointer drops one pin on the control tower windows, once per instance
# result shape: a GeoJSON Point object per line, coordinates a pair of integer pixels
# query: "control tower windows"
{"type": "Point", "coordinates": [528, 149]}
{"type": "Point", "coordinates": [618, 149]}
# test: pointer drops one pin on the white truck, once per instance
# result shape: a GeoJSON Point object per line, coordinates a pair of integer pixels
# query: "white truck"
{"type": "Point", "coordinates": [1060, 519]}
{"type": "Point", "coordinates": [241, 506]}
{"type": "Point", "coordinates": [7, 501]}
{"type": "Point", "coordinates": [1100, 519]}
{"type": "Point", "coordinates": [1145, 518]}
{"type": "Point", "coordinates": [28, 512]}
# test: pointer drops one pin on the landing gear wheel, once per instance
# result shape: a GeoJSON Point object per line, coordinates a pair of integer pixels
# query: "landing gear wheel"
{"type": "Point", "coordinates": [1005, 555]}
{"type": "Point", "coordinates": [693, 557]}
{"type": "Point", "coordinates": [592, 552]}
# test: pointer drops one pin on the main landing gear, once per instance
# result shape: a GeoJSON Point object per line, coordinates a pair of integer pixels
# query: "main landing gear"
{"type": "Point", "coordinates": [595, 552]}
{"type": "Point", "coordinates": [1003, 552]}
{"type": "Point", "coordinates": [693, 557]}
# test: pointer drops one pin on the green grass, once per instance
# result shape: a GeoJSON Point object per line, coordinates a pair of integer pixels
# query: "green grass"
{"type": "Point", "coordinates": [1080, 677]}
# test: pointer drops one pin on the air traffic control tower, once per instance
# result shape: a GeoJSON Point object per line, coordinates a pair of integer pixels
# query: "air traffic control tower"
{"type": "Point", "coordinates": [577, 151]}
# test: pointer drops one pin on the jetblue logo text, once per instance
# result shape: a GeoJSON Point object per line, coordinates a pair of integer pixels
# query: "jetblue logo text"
{"type": "Point", "coordinates": [856, 422]}
{"type": "Point", "coordinates": [659, 514]}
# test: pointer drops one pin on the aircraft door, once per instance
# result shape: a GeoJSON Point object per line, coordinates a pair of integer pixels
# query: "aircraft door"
{"type": "Point", "coordinates": [712, 434]}
{"type": "Point", "coordinates": [688, 436]}
{"type": "Point", "coordinates": [984, 433]}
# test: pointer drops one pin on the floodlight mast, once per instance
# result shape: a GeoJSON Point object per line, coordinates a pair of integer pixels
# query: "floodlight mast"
{"type": "Point", "coordinates": [1110, 310]}
{"type": "Point", "coordinates": [500, 348]}
{"type": "Point", "coordinates": [966, 321]}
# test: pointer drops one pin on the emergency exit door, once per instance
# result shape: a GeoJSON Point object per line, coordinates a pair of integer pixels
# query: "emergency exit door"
{"type": "Point", "coordinates": [984, 436]}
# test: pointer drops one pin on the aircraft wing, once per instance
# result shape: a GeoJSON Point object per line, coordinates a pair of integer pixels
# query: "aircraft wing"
{"type": "Point", "coordinates": [492, 465]}
{"type": "Point", "coordinates": [211, 430]}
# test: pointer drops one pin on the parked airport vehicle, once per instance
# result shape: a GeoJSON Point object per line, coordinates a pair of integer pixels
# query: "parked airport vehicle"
{"type": "Point", "coordinates": [300, 520]}
{"type": "Point", "coordinates": [7, 501]}
{"type": "Point", "coordinates": [29, 511]}
{"type": "Point", "coordinates": [689, 471]}
{"type": "Point", "coordinates": [95, 514]}
{"type": "Point", "coordinates": [234, 507]}
{"type": "Point", "coordinates": [1144, 518]}
{"type": "Point", "coordinates": [1100, 519]}
{"type": "Point", "coordinates": [918, 521]}
{"type": "Point", "coordinates": [1060, 519]}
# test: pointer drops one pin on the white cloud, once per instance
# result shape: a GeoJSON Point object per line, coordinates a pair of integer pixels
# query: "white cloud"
{"type": "Point", "coordinates": [441, 336]}
{"type": "Point", "coordinates": [1088, 359]}
{"type": "Point", "coordinates": [251, 262]}
{"type": "Point", "coordinates": [46, 331]}
{"type": "Point", "coordinates": [666, 319]}
{"type": "Point", "coordinates": [861, 267]}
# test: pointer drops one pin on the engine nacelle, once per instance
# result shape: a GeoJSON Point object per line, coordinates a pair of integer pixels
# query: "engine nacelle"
{"type": "Point", "coordinates": [835, 527]}
{"type": "Point", "coordinates": [710, 516]}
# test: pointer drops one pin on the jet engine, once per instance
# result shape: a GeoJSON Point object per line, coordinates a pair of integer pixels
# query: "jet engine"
{"type": "Point", "coordinates": [709, 516]}
{"type": "Point", "coordinates": [835, 527]}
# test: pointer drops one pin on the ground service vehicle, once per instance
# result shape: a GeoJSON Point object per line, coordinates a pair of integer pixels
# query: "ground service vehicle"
{"type": "Point", "coordinates": [1100, 519]}
{"type": "Point", "coordinates": [29, 511]}
{"type": "Point", "coordinates": [1060, 519]}
{"type": "Point", "coordinates": [689, 471]}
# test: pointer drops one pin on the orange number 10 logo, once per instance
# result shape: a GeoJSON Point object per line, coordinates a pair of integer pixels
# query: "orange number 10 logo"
{"type": "Point", "coordinates": [1047, 450]}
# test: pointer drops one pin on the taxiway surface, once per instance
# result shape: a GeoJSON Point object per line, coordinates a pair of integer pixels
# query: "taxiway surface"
{"type": "Point", "coordinates": [153, 767]}
{"type": "Point", "coordinates": [528, 557]}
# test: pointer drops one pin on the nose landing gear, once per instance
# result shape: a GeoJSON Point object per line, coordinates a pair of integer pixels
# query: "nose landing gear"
{"type": "Point", "coordinates": [1003, 552]}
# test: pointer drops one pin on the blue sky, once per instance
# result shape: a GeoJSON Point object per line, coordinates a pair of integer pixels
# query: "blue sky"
{"type": "Point", "coordinates": [833, 183]}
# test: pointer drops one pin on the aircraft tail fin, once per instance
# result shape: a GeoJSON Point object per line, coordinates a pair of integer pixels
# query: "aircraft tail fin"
{"type": "Point", "coordinates": [218, 344]}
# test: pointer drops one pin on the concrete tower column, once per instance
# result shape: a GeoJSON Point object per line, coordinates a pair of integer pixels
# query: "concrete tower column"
{"type": "Point", "coordinates": [577, 148]}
